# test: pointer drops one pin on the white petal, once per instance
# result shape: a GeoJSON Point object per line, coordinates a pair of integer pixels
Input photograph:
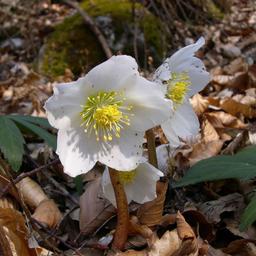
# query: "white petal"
{"type": "Point", "coordinates": [125, 153]}
{"type": "Point", "coordinates": [183, 124]}
{"type": "Point", "coordinates": [107, 187]}
{"type": "Point", "coordinates": [111, 74]}
{"type": "Point", "coordinates": [64, 106]}
{"type": "Point", "coordinates": [162, 73]}
{"type": "Point", "coordinates": [199, 77]}
{"type": "Point", "coordinates": [185, 53]}
{"type": "Point", "coordinates": [78, 152]}
{"type": "Point", "coordinates": [149, 106]}
{"type": "Point", "coordinates": [143, 188]}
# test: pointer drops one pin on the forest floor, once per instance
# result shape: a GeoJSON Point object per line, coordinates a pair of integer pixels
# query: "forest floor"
{"type": "Point", "coordinates": [66, 216]}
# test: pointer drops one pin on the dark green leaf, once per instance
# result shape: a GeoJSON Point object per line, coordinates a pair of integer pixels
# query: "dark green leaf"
{"type": "Point", "coordinates": [11, 142]}
{"type": "Point", "coordinates": [249, 215]}
{"type": "Point", "coordinates": [241, 166]}
{"type": "Point", "coordinates": [45, 135]}
{"type": "Point", "coordinates": [32, 119]}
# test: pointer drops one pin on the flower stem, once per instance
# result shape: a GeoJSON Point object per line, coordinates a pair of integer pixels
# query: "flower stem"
{"type": "Point", "coordinates": [121, 233]}
{"type": "Point", "coordinates": [151, 147]}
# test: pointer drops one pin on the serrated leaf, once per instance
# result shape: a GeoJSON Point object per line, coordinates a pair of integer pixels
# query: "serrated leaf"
{"type": "Point", "coordinates": [11, 142]}
{"type": "Point", "coordinates": [240, 166]}
{"type": "Point", "coordinates": [32, 119]}
{"type": "Point", "coordinates": [249, 215]}
{"type": "Point", "coordinates": [49, 138]}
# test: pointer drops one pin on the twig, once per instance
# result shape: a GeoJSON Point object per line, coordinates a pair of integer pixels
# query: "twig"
{"type": "Point", "coordinates": [152, 158]}
{"type": "Point", "coordinates": [93, 27]}
{"type": "Point", "coordinates": [27, 174]}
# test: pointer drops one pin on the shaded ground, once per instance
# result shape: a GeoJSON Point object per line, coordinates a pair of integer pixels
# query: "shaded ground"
{"type": "Point", "coordinates": [226, 109]}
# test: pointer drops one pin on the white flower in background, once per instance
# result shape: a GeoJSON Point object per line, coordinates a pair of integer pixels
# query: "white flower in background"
{"type": "Point", "coordinates": [139, 184]}
{"type": "Point", "coordinates": [103, 116]}
{"type": "Point", "coordinates": [182, 75]}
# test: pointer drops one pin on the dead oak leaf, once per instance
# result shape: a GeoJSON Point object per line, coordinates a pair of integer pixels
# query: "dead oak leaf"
{"type": "Point", "coordinates": [221, 119]}
{"type": "Point", "coordinates": [230, 203]}
{"type": "Point", "coordinates": [48, 213]}
{"type": "Point", "coordinates": [199, 104]}
{"type": "Point", "coordinates": [94, 208]}
{"type": "Point", "coordinates": [150, 213]}
{"type": "Point", "coordinates": [14, 234]}
{"type": "Point", "coordinates": [208, 132]}
{"type": "Point", "coordinates": [204, 150]}
{"type": "Point", "coordinates": [236, 108]}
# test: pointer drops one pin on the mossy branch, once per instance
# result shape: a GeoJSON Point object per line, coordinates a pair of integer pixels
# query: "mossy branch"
{"type": "Point", "coordinates": [92, 25]}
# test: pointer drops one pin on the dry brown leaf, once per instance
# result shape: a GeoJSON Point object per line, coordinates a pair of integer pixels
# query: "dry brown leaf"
{"type": "Point", "coordinates": [48, 213]}
{"type": "Point", "coordinates": [183, 228]}
{"type": "Point", "coordinates": [230, 203]}
{"type": "Point", "coordinates": [236, 108]}
{"type": "Point", "coordinates": [214, 101]}
{"type": "Point", "coordinates": [243, 247]}
{"type": "Point", "coordinates": [208, 132]}
{"type": "Point", "coordinates": [204, 150]}
{"type": "Point", "coordinates": [94, 208]}
{"type": "Point", "coordinates": [167, 245]}
{"type": "Point", "coordinates": [136, 228]}
{"type": "Point", "coordinates": [216, 252]}
{"type": "Point", "coordinates": [31, 192]}
{"type": "Point", "coordinates": [237, 65]}
{"type": "Point", "coordinates": [150, 213]}
{"type": "Point", "coordinates": [199, 103]}
{"type": "Point", "coordinates": [239, 80]}
{"type": "Point", "coordinates": [189, 245]}
{"type": "Point", "coordinates": [220, 119]}
{"type": "Point", "coordinates": [13, 230]}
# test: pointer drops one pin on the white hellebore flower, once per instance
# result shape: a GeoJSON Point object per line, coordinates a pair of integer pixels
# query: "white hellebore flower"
{"type": "Point", "coordinates": [103, 116]}
{"type": "Point", "coordinates": [182, 76]}
{"type": "Point", "coordinates": [139, 184]}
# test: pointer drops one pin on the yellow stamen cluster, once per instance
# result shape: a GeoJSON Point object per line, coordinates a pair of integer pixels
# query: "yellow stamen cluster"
{"type": "Point", "coordinates": [127, 177]}
{"type": "Point", "coordinates": [106, 114]}
{"type": "Point", "coordinates": [178, 86]}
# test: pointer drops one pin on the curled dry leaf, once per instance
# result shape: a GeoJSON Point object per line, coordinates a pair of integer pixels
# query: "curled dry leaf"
{"type": "Point", "coordinates": [220, 119]}
{"type": "Point", "coordinates": [95, 210]}
{"type": "Point", "coordinates": [13, 230]}
{"type": "Point", "coordinates": [48, 213]}
{"type": "Point", "coordinates": [204, 150]}
{"type": "Point", "coordinates": [150, 213]}
{"type": "Point", "coordinates": [199, 103]}
{"type": "Point", "coordinates": [236, 108]}
{"type": "Point", "coordinates": [239, 80]}
{"type": "Point", "coordinates": [208, 132]}
{"type": "Point", "coordinates": [31, 192]}
{"type": "Point", "coordinates": [243, 247]}
{"type": "Point", "coordinates": [230, 203]}
{"type": "Point", "coordinates": [136, 228]}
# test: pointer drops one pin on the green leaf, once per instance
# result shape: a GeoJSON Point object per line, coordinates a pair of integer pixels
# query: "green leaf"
{"type": "Point", "coordinates": [240, 166]}
{"type": "Point", "coordinates": [249, 215]}
{"type": "Point", "coordinates": [49, 138]}
{"type": "Point", "coordinates": [11, 142]}
{"type": "Point", "coordinates": [32, 119]}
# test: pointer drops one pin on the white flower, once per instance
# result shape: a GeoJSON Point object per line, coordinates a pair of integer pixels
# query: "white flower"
{"type": "Point", "coordinates": [103, 116]}
{"type": "Point", "coordinates": [139, 184]}
{"type": "Point", "coordinates": [181, 76]}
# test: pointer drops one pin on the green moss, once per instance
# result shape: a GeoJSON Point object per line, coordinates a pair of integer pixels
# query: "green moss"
{"type": "Point", "coordinates": [72, 45]}
{"type": "Point", "coordinates": [154, 35]}
{"type": "Point", "coordinates": [214, 10]}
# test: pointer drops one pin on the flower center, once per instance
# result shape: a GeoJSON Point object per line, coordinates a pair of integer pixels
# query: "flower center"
{"type": "Point", "coordinates": [127, 177]}
{"type": "Point", "coordinates": [105, 114]}
{"type": "Point", "coordinates": [178, 86]}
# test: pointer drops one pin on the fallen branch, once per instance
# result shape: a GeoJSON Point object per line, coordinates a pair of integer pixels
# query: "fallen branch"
{"type": "Point", "coordinates": [93, 27]}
